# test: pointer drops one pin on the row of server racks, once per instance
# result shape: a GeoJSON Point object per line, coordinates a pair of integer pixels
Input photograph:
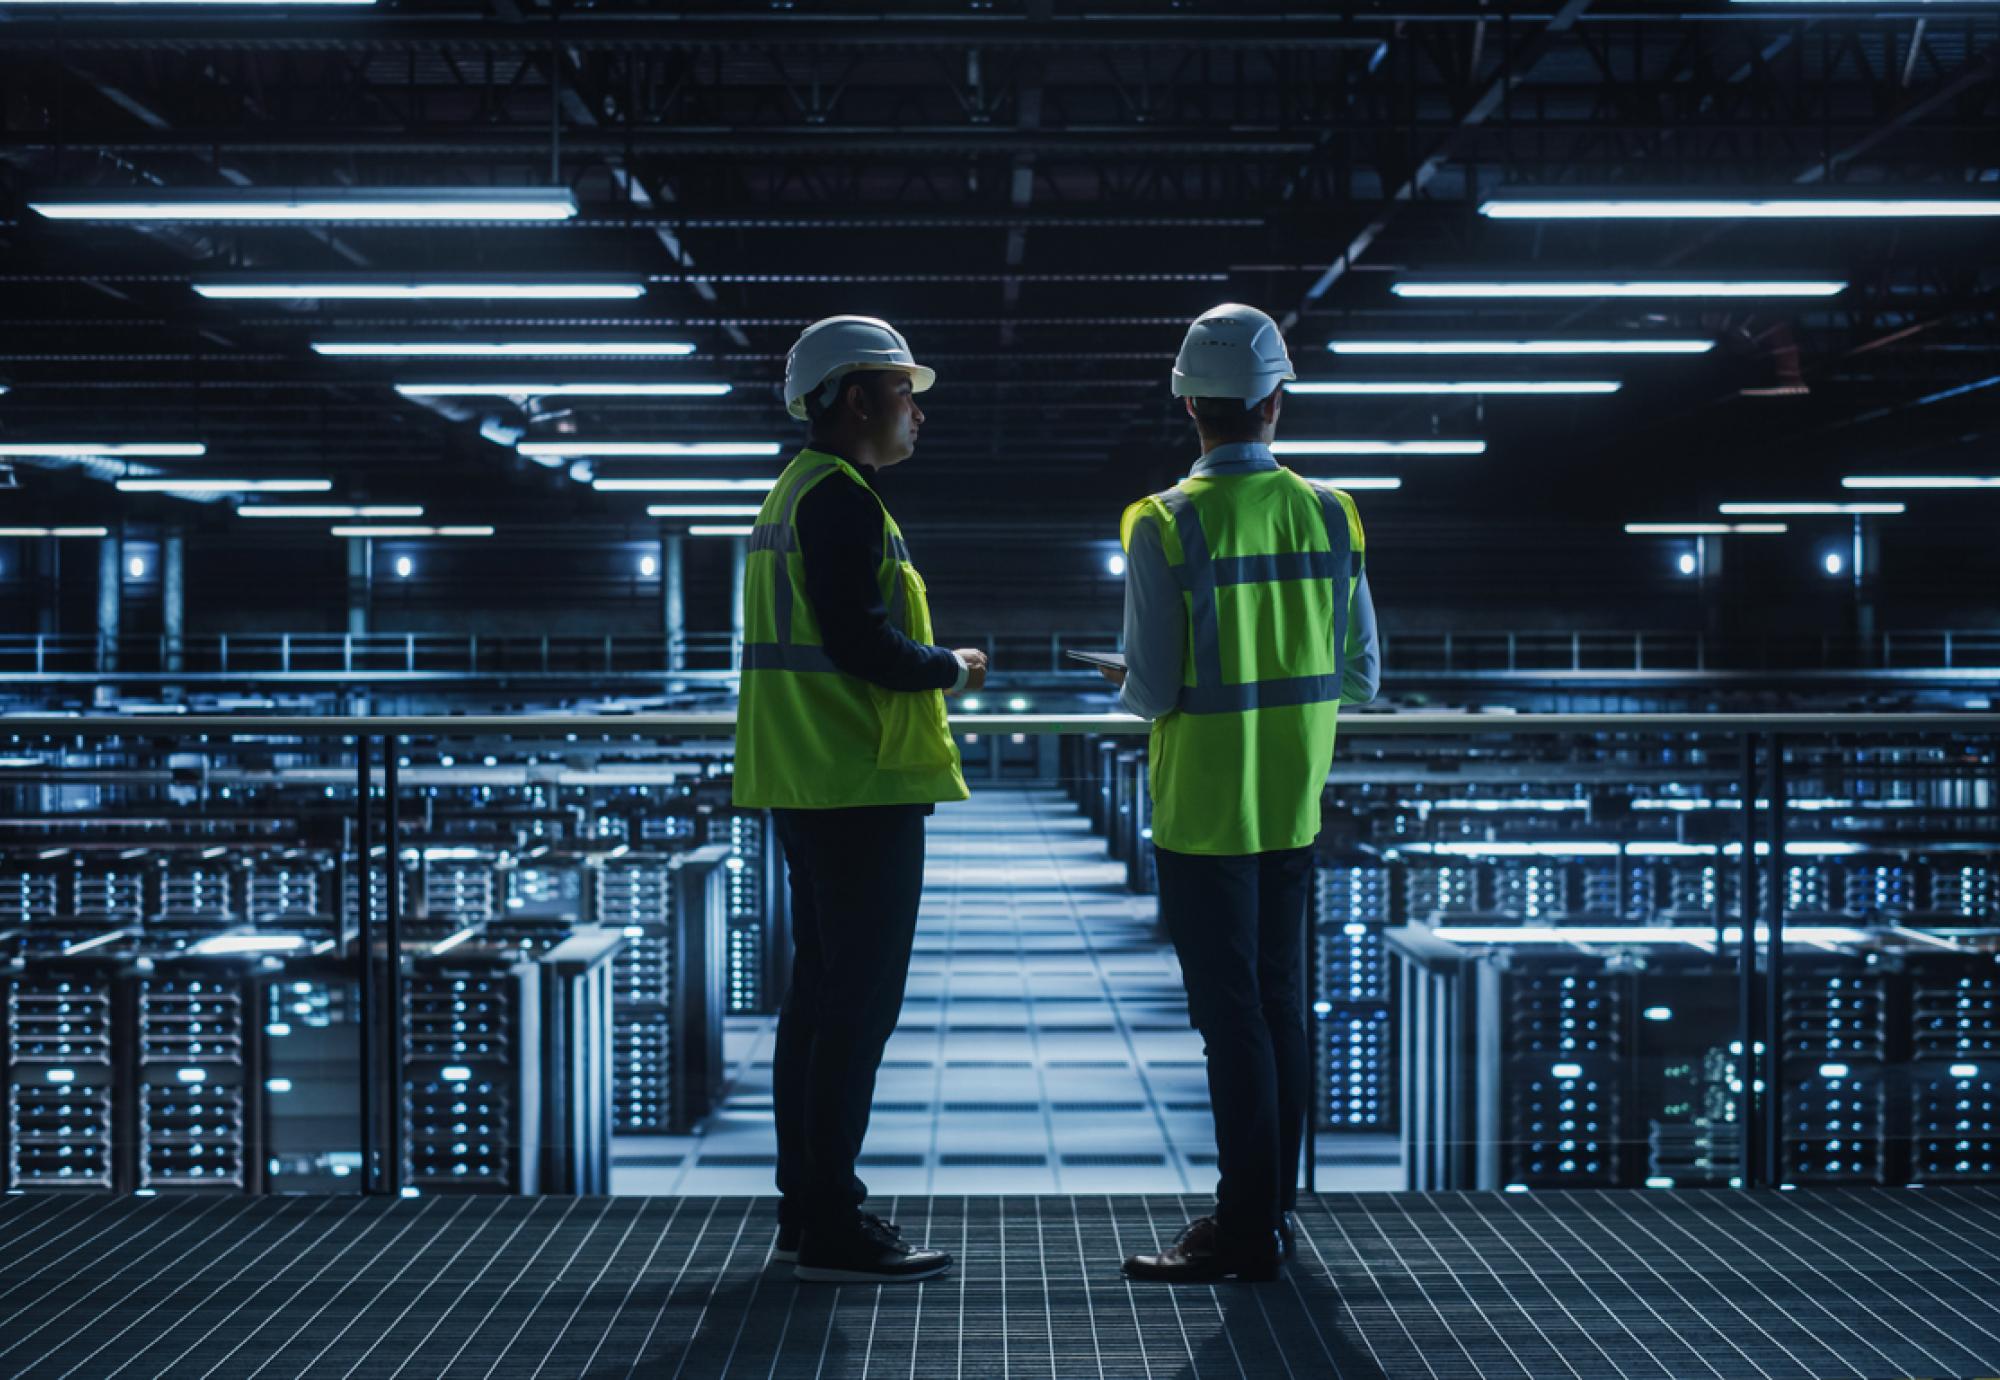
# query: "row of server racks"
{"type": "Point", "coordinates": [1563, 1061]}
{"type": "Point", "coordinates": [182, 1000]}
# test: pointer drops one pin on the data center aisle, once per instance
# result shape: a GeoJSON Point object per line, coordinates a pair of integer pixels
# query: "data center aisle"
{"type": "Point", "coordinates": [1044, 1044]}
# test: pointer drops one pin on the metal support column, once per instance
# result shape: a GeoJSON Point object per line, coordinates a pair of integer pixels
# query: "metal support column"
{"type": "Point", "coordinates": [739, 554]}
{"type": "Point", "coordinates": [673, 597]}
{"type": "Point", "coordinates": [1746, 974]}
{"type": "Point", "coordinates": [360, 584]}
{"type": "Point", "coordinates": [392, 842]}
{"type": "Point", "coordinates": [364, 848]}
{"type": "Point", "coordinates": [1774, 978]}
{"type": "Point", "coordinates": [173, 599]}
{"type": "Point", "coordinates": [110, 595]}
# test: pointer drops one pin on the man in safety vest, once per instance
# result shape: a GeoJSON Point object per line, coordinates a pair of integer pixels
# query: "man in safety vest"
{"type": "Point", "coordinates": [1247, 626]}
{"type": "Point", "coordinates": [840, 732]}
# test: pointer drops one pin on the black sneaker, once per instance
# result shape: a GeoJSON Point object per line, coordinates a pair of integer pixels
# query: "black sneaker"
{"type": "Point", "coordinates": [1200, 1256]}
{"type": "Point", "coordinates": [787, 1249]}
{"type": "Point", "coordinates": [870, 1253]}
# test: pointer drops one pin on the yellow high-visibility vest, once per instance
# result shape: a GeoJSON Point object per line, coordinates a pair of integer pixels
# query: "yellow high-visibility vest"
{"type": "Point", "coordinates": [1267, 564]}
{"type": "Point", "coordinates": [810, 737]}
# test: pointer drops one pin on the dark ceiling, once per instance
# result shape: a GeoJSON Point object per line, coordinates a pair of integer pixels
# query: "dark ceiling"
{"type": "Point", "coordinates": [1041, 197]}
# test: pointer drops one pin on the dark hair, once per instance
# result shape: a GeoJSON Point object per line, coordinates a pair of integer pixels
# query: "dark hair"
{"type": "Point", "coordinates": [821, 415]}
{"type": "Point", "coordinates": [1227, 421]}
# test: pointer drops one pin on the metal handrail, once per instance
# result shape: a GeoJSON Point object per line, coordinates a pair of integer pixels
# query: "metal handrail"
{"type": "Point", "coordinates": [722, 725]}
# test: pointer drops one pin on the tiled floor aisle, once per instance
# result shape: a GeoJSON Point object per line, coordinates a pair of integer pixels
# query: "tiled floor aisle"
{"type": "Point", "coordinates": [1044, 1045]}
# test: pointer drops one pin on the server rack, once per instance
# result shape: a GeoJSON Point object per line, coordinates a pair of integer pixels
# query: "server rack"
{"type": "Point", "coordinates": [1353, 997]}
{"type": "Point", "coordinates": [1620, 1068]}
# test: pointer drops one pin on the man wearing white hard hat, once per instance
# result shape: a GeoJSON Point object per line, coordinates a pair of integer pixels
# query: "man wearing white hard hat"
{"type": "Point", "coordinates": [1247, 625]}
{"type": "Point", "coordinates": [840, 732]}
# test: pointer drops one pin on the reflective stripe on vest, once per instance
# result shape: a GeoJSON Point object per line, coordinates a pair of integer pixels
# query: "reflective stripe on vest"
{"type": "Point", "coordinates": [1200, 574]}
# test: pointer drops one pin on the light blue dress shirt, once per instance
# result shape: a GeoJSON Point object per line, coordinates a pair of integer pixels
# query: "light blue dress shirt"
{"type": "Point", "coordinates": [1156, 619]}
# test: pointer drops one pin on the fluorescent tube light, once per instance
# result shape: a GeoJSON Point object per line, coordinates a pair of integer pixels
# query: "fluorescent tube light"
{"type": "Point", "coordinates": [1357, 483]}
{"type": "Point", "coordinates": [1691, 287]}
{"type": "Point", "coordinates": [185, 450]}
{"type": "Point", "coordinates": [55, 531]}
{"type": "Point", "coordinates": [1633, 346]}
{"type": "Point", "coordinates": [1920, 481]}
{"type": "Point", "coordinates": [503, 349]}
{"type": "Point", "coordinates": [705, 450]}
{"type": "Point", "coordinates": [384, 530]}
{"type": "Point", "coordinates": [315, 204]}
{"type": "Point", "coordinates": [681, 486]}
{"type": "Point", "coordinates": [1378, 448]}
{"type": "Point", "coordinates": [330, 510]}
{"type": "Point", "coordinates": [702, 510]}
{"type": "Point", "coordinates": [1613, 206]}
{"type": "Point", "coordinates": [1813, 509]}
{"type": "Point", "coordinates": [698, 530]}
{"type": "Point", "coordinates": [1495, 387]}
{"type": "Point", "coordinates": [1704, 529]}
{"type": "Point", "coordinates": [563, 390]}
{"type": "Point", "coordinates": [421, 291]}
{"type": "Point", "coordinates": [224, 486]}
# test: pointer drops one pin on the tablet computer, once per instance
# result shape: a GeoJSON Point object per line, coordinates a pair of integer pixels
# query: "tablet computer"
{"type": "Point", "coordinates": [1114, 660]}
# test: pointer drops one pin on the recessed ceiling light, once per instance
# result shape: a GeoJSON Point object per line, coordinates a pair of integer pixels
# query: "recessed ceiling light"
{"type": "Point", "coordinates": [1704, 529]}
{"type": "Point", "coordinates": [386, 530]}
{"type": "Point", "coordinates": [329, 510]}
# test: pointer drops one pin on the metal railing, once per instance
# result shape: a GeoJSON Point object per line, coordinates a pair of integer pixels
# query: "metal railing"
{"type": "Point", "coordinates": [1758, 741]}
{"type": "Point", "coordinates": [413, 655]}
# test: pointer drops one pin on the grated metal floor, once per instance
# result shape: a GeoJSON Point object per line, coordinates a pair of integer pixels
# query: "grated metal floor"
{"type": "Point", "coordinates": [1805, 1286]}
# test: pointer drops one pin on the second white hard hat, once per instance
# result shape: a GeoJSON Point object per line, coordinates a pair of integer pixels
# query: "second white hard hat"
{"type": "Point", "coordinates": [1232, 351]}
{"type": "Point", "coordinates": [840, 345]}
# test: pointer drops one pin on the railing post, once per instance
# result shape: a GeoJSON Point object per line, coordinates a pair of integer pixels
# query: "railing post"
{"type": "Point", "coordinates": [1746, 975]}
{"type": "Point", "coordinates": [1947, 649]}
{"type": "Point", "coordinates": [607, 654]}
{"type": "Point", "coordinates": [410, 652]}
{"type": "Point", "coordinates": [347, 653]}
{"type": "Point", "coordinates": [472, 654]}
{"type": "Point", "coordinates": [1638, 651]}
{"type": "Point", "coordinates": [392, 846]}
{"type": "Point", "coordinates": [1447, 651]}
{"type": "Point", "coordinates": [224, 640]}
{"type": "Point", "coordinates": [1774, 977]}
{"type": "Point", "coordinates": [1576, 649]}
{"type": "Point", "coordinates": [364, 864]}
{"type": "Point", "coordinates": [285, 652]}
{"type": "Point", "coordinates": [1511, 647]}
{"type": "Point", "coordinates": [545, 653]}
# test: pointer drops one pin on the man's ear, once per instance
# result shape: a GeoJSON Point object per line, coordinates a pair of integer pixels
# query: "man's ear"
{"type": "Point", "coordinates": [860, 404]}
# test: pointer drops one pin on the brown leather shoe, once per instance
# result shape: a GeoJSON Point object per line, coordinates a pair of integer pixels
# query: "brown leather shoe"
{"type": "Point", "coordinates": [1200, 1256]}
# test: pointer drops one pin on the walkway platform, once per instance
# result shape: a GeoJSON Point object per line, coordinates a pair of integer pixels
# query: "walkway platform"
{"type": "Point", "coordinates": [1717, 1285]}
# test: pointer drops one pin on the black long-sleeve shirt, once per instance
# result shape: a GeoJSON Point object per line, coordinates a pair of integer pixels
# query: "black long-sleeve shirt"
{"type": "Point", "coordinates": [839, 525]}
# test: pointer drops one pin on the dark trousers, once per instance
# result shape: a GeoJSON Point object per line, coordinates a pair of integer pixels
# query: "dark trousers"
{"type": "Point", "coordinates": [856, 877]}
{"type": "Point", "coordinates": [1238, 924]}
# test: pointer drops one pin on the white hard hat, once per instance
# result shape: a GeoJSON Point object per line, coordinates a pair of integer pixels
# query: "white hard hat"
{"type": "Point", "coordinates": [1232, 351]}
{"type": "Point", "coordinates": [840, 345]}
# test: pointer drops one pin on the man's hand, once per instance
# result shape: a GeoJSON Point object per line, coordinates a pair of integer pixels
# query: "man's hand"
{"type": "Point", "coordinates": [975, 668]}
{"type": "Point", "coordinates": [1114, 674]}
